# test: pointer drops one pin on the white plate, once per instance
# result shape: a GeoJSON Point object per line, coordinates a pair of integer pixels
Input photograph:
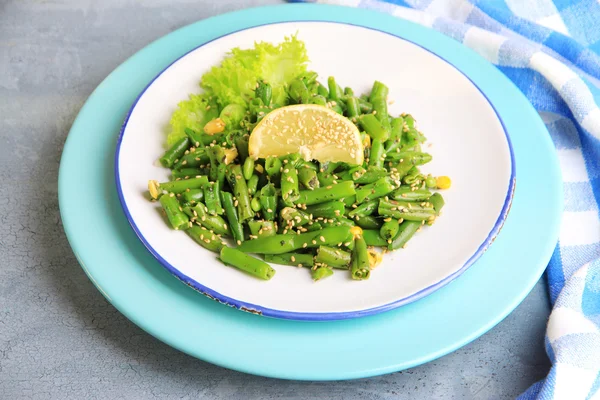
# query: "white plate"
{"type": "Point", "coordinates": [468, 143]}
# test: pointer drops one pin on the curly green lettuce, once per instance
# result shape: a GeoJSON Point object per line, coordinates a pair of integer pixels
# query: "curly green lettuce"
{"type": "Point", "coordinates": [234, 81]}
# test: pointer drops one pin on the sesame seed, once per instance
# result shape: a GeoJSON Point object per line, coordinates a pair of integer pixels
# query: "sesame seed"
{"type": "Point", "coordinates": [293, 259]}
{"type": "Point", "coordinates": [314, 242]}
{"type": "Point", "coordinates": [304, 245]}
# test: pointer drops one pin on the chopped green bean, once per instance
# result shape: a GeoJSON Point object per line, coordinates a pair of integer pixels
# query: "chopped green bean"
{"type": "Point", "coordinates": [175, 152]}
{"type": "Point", "coordinates": [174, 212]}
{"type": "Point", "coordinates": [246, 263]}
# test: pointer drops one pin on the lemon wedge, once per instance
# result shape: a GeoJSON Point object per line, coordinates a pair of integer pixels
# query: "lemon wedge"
{"type": "Point", "coordinates": [314, 131]}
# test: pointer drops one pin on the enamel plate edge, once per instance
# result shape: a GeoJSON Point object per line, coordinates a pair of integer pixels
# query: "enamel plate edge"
{"type": "Point", "coordinates": [302, 284]}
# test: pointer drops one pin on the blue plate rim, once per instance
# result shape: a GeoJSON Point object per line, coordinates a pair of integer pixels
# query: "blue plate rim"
{"type": "Point", "coordinates": [312, 316]}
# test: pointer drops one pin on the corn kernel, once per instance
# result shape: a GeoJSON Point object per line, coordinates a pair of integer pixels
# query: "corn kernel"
{"type": "Point", "coordinates": [217, 125]}
{"type": "Point", "coordinates": [356, 231]}
{"type": "Point", "coordinates": [443, 182]}
{"type": "Point", "coordinates": [230, 155]}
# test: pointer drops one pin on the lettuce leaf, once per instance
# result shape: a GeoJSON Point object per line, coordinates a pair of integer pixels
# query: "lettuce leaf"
{"type": "Point", "coordinates": [235, 79]}
{"type": "Point", "coordinates": [192, 114]}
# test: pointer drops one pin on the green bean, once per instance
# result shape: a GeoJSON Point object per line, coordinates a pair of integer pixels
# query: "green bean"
{"type": "Point", "coordinates": [360, 266]}
{"type": "Point", "coordinates": [261, 228]}
{"type": "Point", "coordinates": [212, 198]}
{"type": "Point", "coordinates": [331, 209]}
{"type": "Point", "coordinates": [378, 98]}
{"type": "Point", "coordinates": [320, 273]}
{"type": "Point", "coordinates": [338, 109]}
{"type": "Point", "coordinates": [414, 177]}
{"type": "Point", "coordinates": [335, 91]}
{"type": "Point", "coordinates": [438, 202]}
{"type": "Point", "coordinates": [352, 107]}
{"type": "Point", "coordinates": [201, 139]}
{"type": "Point", "coordinates": [248, 168]}
{"type": "Point", "coordinates": [268, 201]}
{"type": "Point", "coordinates": [193, 196]}
{"type": "Point", "coordinates": [199, 213]}
{"type": "Point", "coordinates": [374, 127]}
{"type": "Point", "coordinates": [237, 230]}
{"type": "Point", "coordinates": [197, 158]}
{"type": "Point", "coordinates": [246, 263]}
{"type": "Point", "coordinates": [389, 229]}
{"type": "Point", "coordinates": [175, 152]}
{"type": "Point", "coordinates": [313, 226]}
{"type": "Point", "coordinates": [186, 173]}
{"type": "Point", "coordinates": [406, 230]}
{"type": "Point", "coordinates": [195, 137]}
{"type": "Point", "coordinates": [341, 221]}
{"type": "Point", "coordinates": [325, 179]}
{"type": "Point", "coordinates": [333, 257]}
{"type": "Point", "coordinates": [216, 155]}
{"type": "Point", "coordinates": [319, 100]}
{"type": "Point", "coordinates": [174, 212]}
{"type": "Point", "coordinates": [273, 167]}
{"type": "Point", "coordinates": [379, 188]}
{"type": "Point", "coordinates": [232, 114]}
{"type": "Point", "coordinates": [252, 184]}
{"type": "Point", "coordinates": [264, 91]}
{"type": "Point", "coordinates": [286, 243]}
{"type": "Point", "coordinates": [298, 91]}
{"type": "Point", "coordinates": [180, 186]}
{"type": "Point", "coordinates": [322, 90]}
{"type": "Point", "coordinates": [366, 208]}
{"type": "Point", "coordinates": [368, 222]}
{"type": "Point", "coordinates": [308, 178]}
{"type": "Point", "coordinates": [310, 77]}
{"type": "Point", "coordinates": [430, 182]}
{"type": "Point", "coordinates": [406, 210]}
{"type": "Point", "coordinates": [396, 131]}
{"type": "Point", "coordinates": [323, 194]}
{"type": "Point", "coordinates": [293, 259]}
{"type": "Point", "coordinates": [365, 106]}
{"type": "Point", "coordinates": [289, 184]}
{"type": "Point", "coordinates": [407, 193]}
{"type": "Point", "coordinates": [377, 156]}
{"type": "Point", "coordinates": [205, 238]}
{"type": "Point", "coordinates": [241, 145]}
{"type": "Point", "coordinates": [373, 238]}
{"type": "Point", "coordinates": [221, 173]}
{"type": "Point", "coordinates": [379, 91]}
{"type": "Point", "coordinates": [349, 201]}
{"type": "Point", "coordinates": [412, 133]}
{"type": "Point", "coordinates": [348, 91]}
{"type": "Point", "coordinates": [240, 190]}
{"type": "Point", "coordinates": [294, 217]}
{"type": "Point", "coordinates": [255, 204]}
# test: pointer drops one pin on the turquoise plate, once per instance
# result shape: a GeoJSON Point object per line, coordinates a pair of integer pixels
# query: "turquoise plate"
{"type": "Point", "coordinates": [136, 284]}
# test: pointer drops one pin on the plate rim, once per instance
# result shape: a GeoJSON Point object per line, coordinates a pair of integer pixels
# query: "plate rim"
{"type": "Point", "coordinates": [318, 316]}
{"type": "Point", "coordinates": [432, 343]}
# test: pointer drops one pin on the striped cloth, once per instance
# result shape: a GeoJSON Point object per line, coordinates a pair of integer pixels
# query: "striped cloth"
{"type": "Point", "coordinates": [550, 49]}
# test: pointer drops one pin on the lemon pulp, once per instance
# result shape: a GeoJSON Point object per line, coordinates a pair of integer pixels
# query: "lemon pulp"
{"type": "Point", "coordinates": [314, 131]}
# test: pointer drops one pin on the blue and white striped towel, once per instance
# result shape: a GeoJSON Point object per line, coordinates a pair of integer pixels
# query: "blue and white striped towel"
{"type": "Point", "coordinates": [551, 50]}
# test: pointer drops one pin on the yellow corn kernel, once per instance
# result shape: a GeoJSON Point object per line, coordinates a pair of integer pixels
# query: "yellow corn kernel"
{"type": "Point", "coordinates": [367, 141]}
{"type": "Point", "coordinates": [443, 182]}
{"type": "Point", "coordinates": [375, 258]}
{"type": "Point", "coordinates": [153, 188]}
{"type": "Point", "coordinates": [356, 232]}
{"type": "Point", "coordinates": [217, 125]}
{"type": "Point", "coordinates": [230, 155]}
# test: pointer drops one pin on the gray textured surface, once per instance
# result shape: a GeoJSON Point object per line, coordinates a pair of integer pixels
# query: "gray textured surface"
{"type": "Point", "coordinates": [59, 338]}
